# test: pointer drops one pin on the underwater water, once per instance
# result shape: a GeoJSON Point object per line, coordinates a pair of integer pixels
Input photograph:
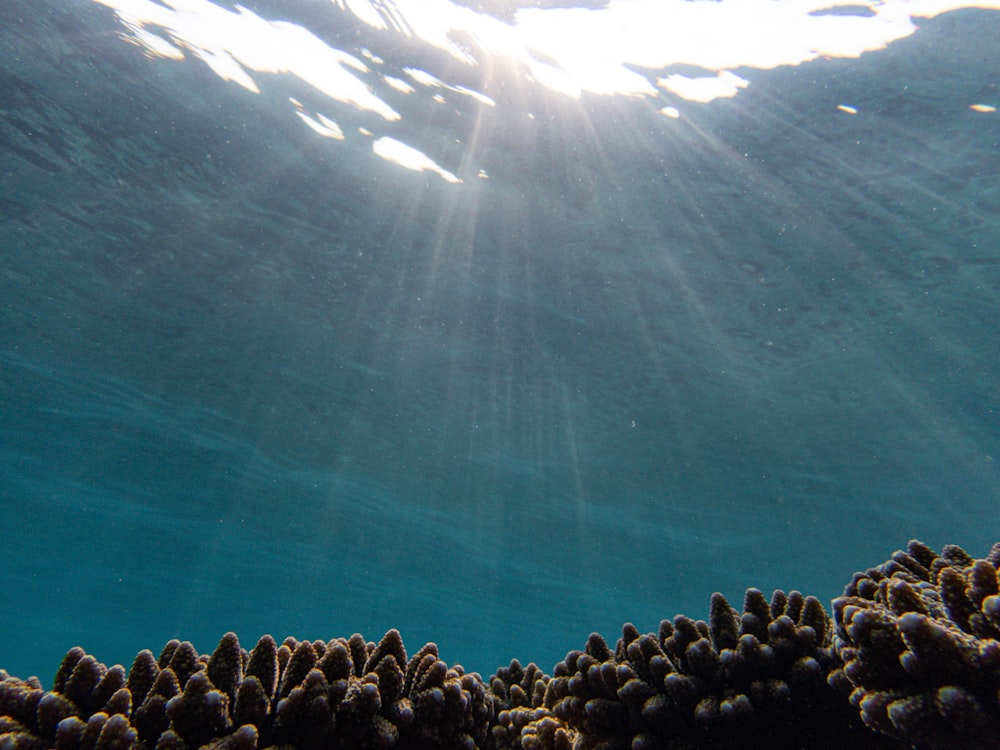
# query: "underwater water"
{"type": "Point", "coordinates": [607, 353]}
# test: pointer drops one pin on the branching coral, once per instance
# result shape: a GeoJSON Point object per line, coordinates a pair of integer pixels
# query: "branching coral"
{"type": "Point", "coordinates": [918, 636]}
{"type": "Point", "coordinates": [343, 694]}
{"type": "Point", "coordinates": [523, 722]}
{"type": "Point", "coordinates": [750, 679]}
{"type": "Point", "coordinates": [911, 659]}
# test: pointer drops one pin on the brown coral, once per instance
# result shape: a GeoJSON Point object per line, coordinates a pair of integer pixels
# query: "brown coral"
{"type": "Point", "coordinates": [750, 679]}
{"type": "Point", "coordinates": [918, 636]}
{"type": "Point", "coordinates": [343, 694]}
{"type": "Point", "coordinates": [522, 720]}
{"type": "Point", "coordinates": [912, 659]}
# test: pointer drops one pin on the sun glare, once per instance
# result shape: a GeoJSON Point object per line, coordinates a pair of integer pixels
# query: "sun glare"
{"type": "Point", "coordinates": [626, 48]}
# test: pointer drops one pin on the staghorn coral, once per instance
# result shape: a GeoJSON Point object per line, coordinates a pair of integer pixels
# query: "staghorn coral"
{"type": "Point", "coordinates": [522, 721]}
{"type": "Point", "coordinates": [750, 679]}
{"type": "Point", "coordinates": [919, 637]}
{"type": "Point", "coordinates": [19, 701]}
{"type": "Point", "coordinates": [911, 659]}
{"type": "Point", "coordinates": [343, 694]}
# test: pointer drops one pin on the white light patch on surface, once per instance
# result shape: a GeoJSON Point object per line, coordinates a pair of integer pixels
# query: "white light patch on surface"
{"type": "Point", "coordinates": [479, 97]}
{"type": "Point", "coordinates": [406, 156]}
{"type": "Point", "coordinates": [719, 36]}
{"type": "Point", "coordinates": [628, 47]}
{"type": "Point", "coordinates": [426, 79]}
{"type": "Point", "coordinates": [706, 89]}
{"type": "Point", "coordinates": [235, 44]}
{"type": "Point", "coordinates": [365, 12]}
{"type": "Point", "coordinates": [323, 126]}
{"type": "Point", "coordinates": [848, 109]}
{"type": "Point", "coordinates": [573, 50]}
{"type": "Point", "coordinates": [155, 46]}
{"type": "Point", "coordinates": [320, 124]}
{"type": "Point", "coordinates": [436, 22]}
{"type": "Point", "coordinates": [224, 66]}
{"type": "Point", "coordinates": [399, 85]}
{"type": "Point", "coordinates": [569, 50]}
{"type": "Point", "coordinates": [422, 76]}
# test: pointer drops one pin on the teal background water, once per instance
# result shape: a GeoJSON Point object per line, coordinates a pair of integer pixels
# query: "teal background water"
{"type": "Point", "coordinates": [256, 380]}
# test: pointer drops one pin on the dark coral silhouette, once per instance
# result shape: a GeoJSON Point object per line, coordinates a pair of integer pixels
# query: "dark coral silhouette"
{"type": "Point", "coordinates": [911, 659]}
{"type": "Point", "coordinates": [918, 637]}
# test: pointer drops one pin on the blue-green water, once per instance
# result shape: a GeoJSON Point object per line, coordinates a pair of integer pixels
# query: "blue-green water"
{"type": "Point", "coordinates": [259, 380]}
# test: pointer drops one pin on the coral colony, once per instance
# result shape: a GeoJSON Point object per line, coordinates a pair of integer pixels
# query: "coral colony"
{"type": "Point", "coordinates": [910, 658]}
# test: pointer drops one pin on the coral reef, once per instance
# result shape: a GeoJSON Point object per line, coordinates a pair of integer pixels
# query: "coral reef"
{"type": "Point", "coordinates": [750, 679]}
{"type": "Point", "coordinates": [919, 637]}
{"type": "Point", "coordinates": [522, 719]}
{"type": "Point", "coordinates": [911, 659]}
{"type": "Point", "coordinates": [342, 694]}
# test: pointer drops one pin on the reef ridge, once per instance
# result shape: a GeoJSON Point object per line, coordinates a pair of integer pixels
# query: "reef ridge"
{"type": "Point", "coordinates": [909, 659]}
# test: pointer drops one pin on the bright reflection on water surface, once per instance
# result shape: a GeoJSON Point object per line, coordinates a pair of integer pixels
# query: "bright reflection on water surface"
{"type": "Point", "coordinates": [568, 50]}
